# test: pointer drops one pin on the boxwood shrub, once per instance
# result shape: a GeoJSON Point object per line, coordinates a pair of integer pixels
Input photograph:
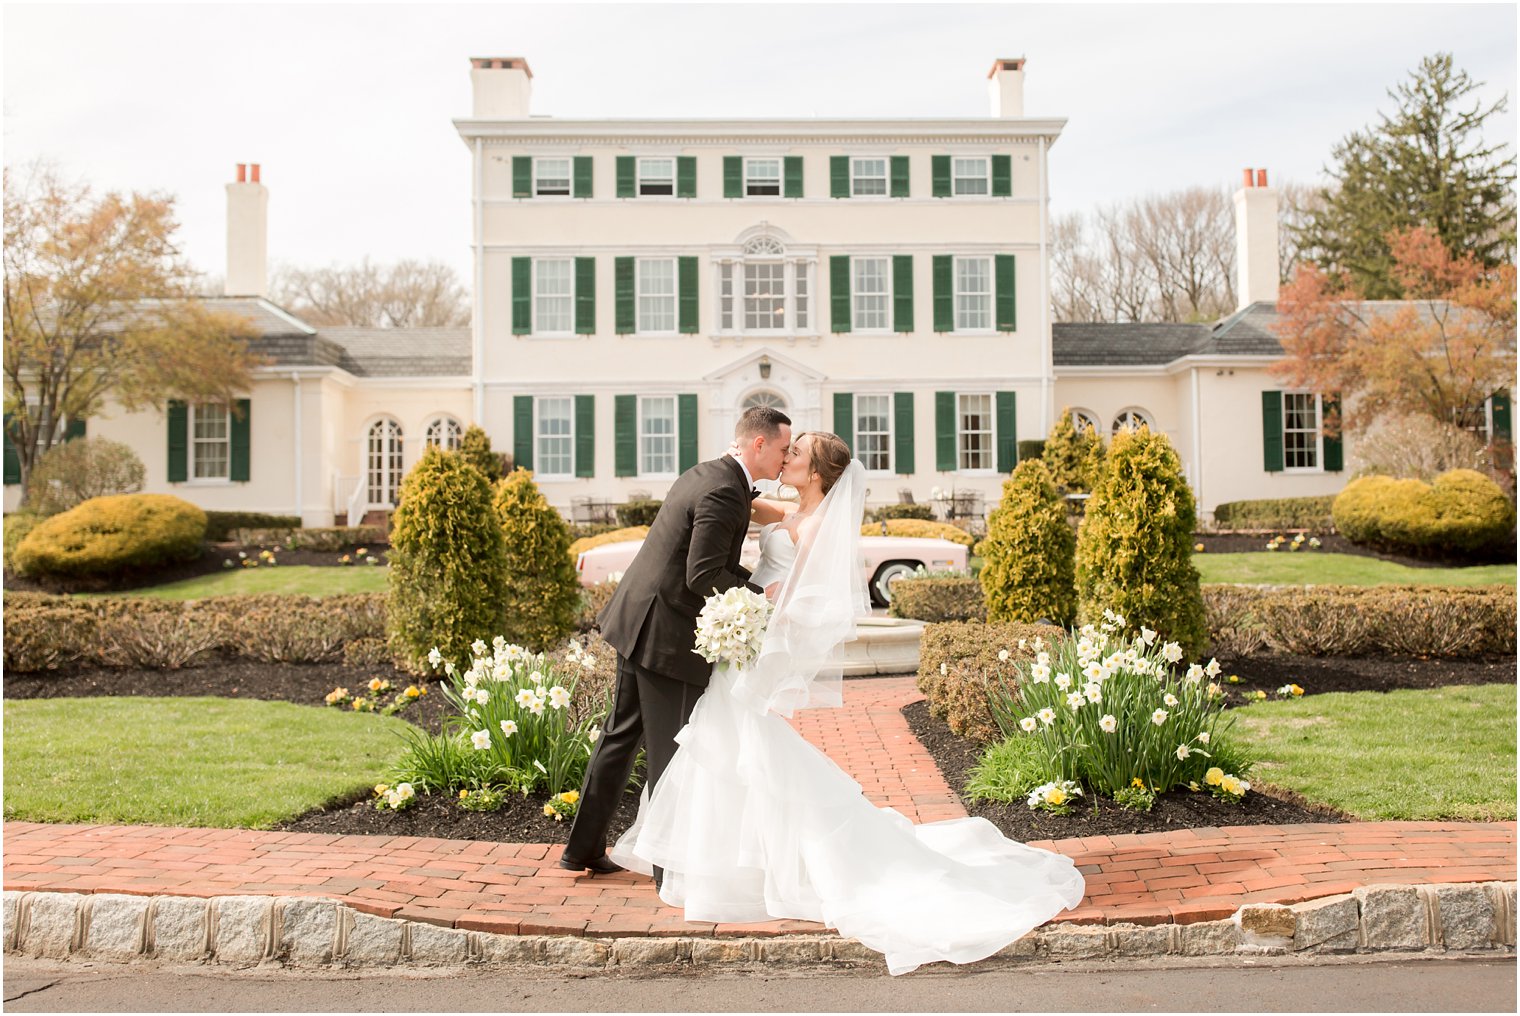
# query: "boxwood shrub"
{"type": "Point", "coordinates": [1462, 513]}
{"type": "Point", "coordinates": [115, 533]}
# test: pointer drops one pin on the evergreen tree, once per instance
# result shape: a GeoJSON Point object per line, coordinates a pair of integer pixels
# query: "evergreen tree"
{"type": "Point", "coordinates": [543, 600]}
{"type": "Point", "coordinates": [475, 447]}
{"type": "Point", "coordinates": [1070, 455]}
{"type": "Point", "coordinates": [1027, 558]}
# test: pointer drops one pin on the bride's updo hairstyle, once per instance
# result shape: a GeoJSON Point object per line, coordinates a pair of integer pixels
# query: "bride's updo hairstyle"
{"type": "Point", "coordinates": [830, 457]}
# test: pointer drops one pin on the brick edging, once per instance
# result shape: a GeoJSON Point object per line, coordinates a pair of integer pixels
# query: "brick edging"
{"type": "Point", "coordinates": [304, 932]}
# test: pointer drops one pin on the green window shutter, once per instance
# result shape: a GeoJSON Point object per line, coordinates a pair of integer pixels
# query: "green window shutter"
{"type": "Point", "coordinates": [733, 176]}
{"type": "Point", "coordinates": [1004, 292]}
{"type": "Point", "coordinates": [944, 432]}
{"type": "Point", "coordinates": [944, 292]}
{"type": "Point", "coordinates": [238, 465]}
{"type": "Point", "coordinates": [902, 292]}
{"type": "Point", "coordinates": [791, 176]}
{"type": "Point", "coordinates": [179, 441]}
{"type": "Point", "coordinates": [74, 429]}
{"type": "Point", "coordinates": [686, 431]}
{"type": "Point", "coordinates": [899, 176]}
{"type": "Point", "coordinates": [1333, 451]}
{"type": "Point", "coordinates": [12, 457]}
{"type": "Point", "coordinates": [627, 177]}
{"type": "Point", "coordinates": [1002, 176]}
{"type": "Point", "coordinates": [582, 184]}
{"type": "Point", "coordinates": [522, 176]}
{"type": "Point", "coordinates": [585, 296]}
{"type": "Point", "coordinates": [1007, 433]}
{"type": "Point", "coordinates": [839, 176]}
{"type": "Point", "coordinates": [1501, 416]}
{"type": "Point", "coordinates": [585, 435]}
{"type": "Point", "coordinates": [1271, 431]}
{"type": "Point", "coordinates": [625, 435]}
{"type": "Point", "coordinates": [686, 176]}
{"type": "Point", "coordinates": [522, 431]}
{"type": "Point", "coordinates": [839, 292]}
{"type": "Point", "coordinates": [902, 437]}
{"type": "Point", "coordinates": [941, 166]}
{"type": "Point", "coordinates": [844, 417]}
{"type": "Point", "coordinates": [622, 296]}
{"type": "Point", "coordinates": [522, 296]}
{"type": "Point", "coordinates": [686, 294]}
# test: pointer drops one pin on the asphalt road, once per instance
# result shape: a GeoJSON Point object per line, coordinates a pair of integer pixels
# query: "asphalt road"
{"type": "Point", "coordinates": [1287, 984]}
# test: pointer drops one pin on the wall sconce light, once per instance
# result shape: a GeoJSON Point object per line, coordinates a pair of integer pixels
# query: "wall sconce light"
{"type": "Point", "coordinates": [765, 368]}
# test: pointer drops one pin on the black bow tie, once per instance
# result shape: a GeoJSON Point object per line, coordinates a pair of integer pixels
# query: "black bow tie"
{"type": "Point", "coordinates": [753, 493]}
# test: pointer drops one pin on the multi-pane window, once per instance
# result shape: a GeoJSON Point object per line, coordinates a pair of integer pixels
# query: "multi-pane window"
{"type": "Point", "coordinates": [657, 176]}
{"type": "Point", "coordinates": [970, 175]}
{"type": "Point", "coordinates": [555, 436]}
{"type": "Point", "coordinates": [1300, 430]}
{"type": "Point", "coordinates": [868, 177]}
{"type": "Point", "coordinates": [551, 177]}
{"type": "Point", "coordinates": [764, 295]}
{"type": "Point", "coordinates": [873, 432]}
{"type": "Point", "coordinates": [1081, 419]}
{"type": "Point", "coordinates": [384, 464]}
{"type": "Point", "coordinates": [1130, 419]}
{"type": "Point", "coordinates": [973, 293]}
{"type": "Point", "coordinates": [657, 295]}
{"type": "Point", "coordinates": [212, 440]}
{"type": "Point", "coordinates": [974, 442]}
{"type": "Point", "coordinates": [657, 436]}
{"type": "Point", "coordinates": [553, 295]}
{"type": "Point", "coordinates": [726, 296]}
{"type": "Point", "coordinates": [800, 296]}
{"type": "Point", "coordinates": [444, 433]}
{"type": "Point", "coordinates": [868, 291]}
{"type": "Point", "coordinates": [762, 177]}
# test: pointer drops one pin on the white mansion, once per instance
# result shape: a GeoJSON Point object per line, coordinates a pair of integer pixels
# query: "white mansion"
{"type": "Point", "coordinates": [638, 283]}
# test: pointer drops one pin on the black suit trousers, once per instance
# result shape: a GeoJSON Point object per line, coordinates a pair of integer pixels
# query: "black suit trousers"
{"type": "Point", "coordinates": [647, 708]}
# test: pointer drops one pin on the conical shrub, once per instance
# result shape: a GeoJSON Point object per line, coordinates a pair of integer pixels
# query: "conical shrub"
{"type": "Point", "coordinates": [543, 600]}
{"type": "Point", "coordinates": [1029, 555]}
{"type": "Point", "coordinates": [475, 447]}
{"type": "Point", "coordinates": [1134, 546]}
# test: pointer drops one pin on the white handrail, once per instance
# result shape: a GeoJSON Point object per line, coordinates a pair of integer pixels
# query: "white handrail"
{"type": "Point", "coordinates": [355, 500]}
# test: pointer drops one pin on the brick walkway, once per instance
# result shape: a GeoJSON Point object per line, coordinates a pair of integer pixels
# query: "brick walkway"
{"type": "Point", "coordinates": [1183, 876]}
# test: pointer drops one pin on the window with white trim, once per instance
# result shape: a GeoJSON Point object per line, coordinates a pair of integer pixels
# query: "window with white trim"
{"type": "Point", "coordinates": [764, 295]}
{"type": "Point", "coordinates": [873, 432]}
{"type": "Point", "coordinates": [726, 296]}
{"type": "Point", "coordinates": [868, 177]}
{"type": "Point", "coordinates": [870, 293]}
{"type": "Point", "coordinates": [762, 177]}
{"type": "Point", "coordinates": [973, 430]}
{"type": "Point", "coordinates": [657, 177]}
{"type": "Point", "coordinates": [384, 464]}
{"type": "Point", "coordinates": [211, 438]}
{"type": "Point", "coordinates": [1082, 418]}
{"type": "Point", "coordinates": [800, 296]}
{"type": "Point", "coordinates": [657, 435]}
{"type": "Point", "coordinates": [1132, 418]}
{"type": "Point", "coordinates": [554, 295]}
{"type": "Point", "coordinates": [656, 287]}
{"type": "Point", "coordinates": [973, 293]}
{"type": "Point", "coordinates": [971, 175]}
{"type": "Point", "coordinates": [443, 432]}
{"type": "Point", "coordinates": [551, 177]}
{"type": "Point", "coordinates": [554, 436]}
{"type": "Point", "coordinates": [1301, 416]}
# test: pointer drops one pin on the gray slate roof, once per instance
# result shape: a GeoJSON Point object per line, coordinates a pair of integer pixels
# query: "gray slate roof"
{"type": "Point", "coordinates": [1099, 344]}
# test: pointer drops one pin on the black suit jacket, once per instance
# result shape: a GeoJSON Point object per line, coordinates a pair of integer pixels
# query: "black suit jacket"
{"type": "Point", "coordinates": [691, 552]}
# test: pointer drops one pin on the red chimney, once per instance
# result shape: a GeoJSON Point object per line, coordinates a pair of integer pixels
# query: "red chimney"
{"type": "Point", "coordinates": [255, 168]}
{"type": "Point", "coordinates": [1261, 176]}
{"type": "Point", "coordinates": [242, 172]}
{"type": "Point", "coordinates": [1248, 178]}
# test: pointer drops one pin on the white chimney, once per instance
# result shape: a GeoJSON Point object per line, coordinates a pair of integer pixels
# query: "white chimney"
{"type": "Point", "coordinates": [1256, 240]}
{"type": "Point", "coordinates": [1005, 84]}
{"type": "Point", "coordinates": [247, 234]}
{"type": "Point", "coordinates": [502, 86]}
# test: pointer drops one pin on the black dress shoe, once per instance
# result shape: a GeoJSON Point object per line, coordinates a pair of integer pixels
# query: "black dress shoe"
{"type": "Point", "coordinates": [602, 865]}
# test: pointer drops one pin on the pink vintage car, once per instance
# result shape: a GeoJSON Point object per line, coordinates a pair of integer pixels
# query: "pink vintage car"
{"type": "Point", "coordinates": [887, 559]}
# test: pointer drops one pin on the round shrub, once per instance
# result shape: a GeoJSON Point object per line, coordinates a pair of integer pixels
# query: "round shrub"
{"type": "Point", "coordinates": [623, 535]}
{"type": "Point", "coordinates": [638, 513]}
{"type": "Point", "coordinates": [111, 534]}
{"type": "Point", "coordinates": [1462, 513]}
{"type": "Point", "coordinates": [447, 583]}
{"type": "Point", "coordinates": [921, 529]}
{"type": "Point", "coordinates": [75, 471]}
{"type": "Point", "coordinates": [1073, 458]}
{"type": "Point", "coordinates": [1135, 543]}
{"type": "Point", "coordinates": [543, 601]}
{"type": "Point", "coordinates": [1029, 555]}
{"type": "Point", "coordinates": [887, 512]}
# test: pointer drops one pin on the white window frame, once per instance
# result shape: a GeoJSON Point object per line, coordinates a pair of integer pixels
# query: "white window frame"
{"type": "Point", "coordinates": [956, 178]}
{"type": "Point", "coordinates": [883, 329]}
{"type": "Point", "coordinates": [891, 431]}
{"type": "Point", "coordinates": [780, 175]}
{"type": "Point", "coordinates": [1146, 417]}
{"type": "Point", "coordinates": [392, 473]}
{"type": "Point", "coordinates": [639, 265]}
{"type": "Point", "coordinates": [638, 175]}
{"type": "Point", "coordinates": [569, 175]}
{"type": "Point", "coordinates": [801, 296]}
{"type": "Point", "coordinates": [1319, 431]}
{"type": "Point", "coordinates": [886, 175]}
{"type": "Point", "coordinates": [675, 437]}
{"type": "Point", "coordinates": [955, 295]}
{"type": "Point", "coordinates": [961, 432]}
{"type": "Point", "coordinates": [538, 331]}
{"type": "Point", "coordinates": [195, 411]}
{"type": "Point", "coordinates": [539, 437]}
{"type": "Point", "coordinates": [440, 431]}
{"type": "Point", "coordinates": [1080, 416]}
{"type": "Point", "coordinates": [744, 298]}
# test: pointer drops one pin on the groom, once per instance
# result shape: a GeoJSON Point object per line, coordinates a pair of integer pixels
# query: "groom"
{"type": "Point", "coordinates": [691, 552]}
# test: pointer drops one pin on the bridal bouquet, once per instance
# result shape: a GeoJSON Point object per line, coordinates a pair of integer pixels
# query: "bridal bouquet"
{"type": "Point", "coordinates": [730, 626]}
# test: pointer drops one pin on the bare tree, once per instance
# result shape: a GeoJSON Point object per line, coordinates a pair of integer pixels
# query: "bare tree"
{"type": "Point", "coordinates": [406, 294]}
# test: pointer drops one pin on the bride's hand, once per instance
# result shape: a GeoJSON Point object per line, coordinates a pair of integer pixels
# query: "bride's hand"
{"type": "Point", "coordinates": [772, 589]}
{"type": "Point", "coordinates": [734, 450]}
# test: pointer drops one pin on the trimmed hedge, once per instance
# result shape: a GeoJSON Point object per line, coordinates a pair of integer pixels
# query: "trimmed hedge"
{"type": "Point", "coordinates": [1462, 512]}
{"type": "Point", "coordinates": [938, 599]}
{"type": "Point", "coordinates": [593, 599]}
{"type": "Point", "coordinates": [621, 535]}
{"type": "Point", "coordinates": [921, 529]}
{"type": "Point", "coordinates": [118, 532]}
{"type": "Point", "coordinates": [638, 513]}
{"type": "Point", "coordinates": [220, 525]}
{"type": "Point", "coordinates": [958, 661]}
{"type": "Point", "coordinates": [1276, 513]}
{"type": "Point", "coordinates": [887, 512]}
{"type": "Point", "coordinates": [318, 538]}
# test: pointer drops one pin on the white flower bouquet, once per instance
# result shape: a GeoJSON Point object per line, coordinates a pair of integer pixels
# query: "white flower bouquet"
{"type": "Point", "coordinates": [730, 626]}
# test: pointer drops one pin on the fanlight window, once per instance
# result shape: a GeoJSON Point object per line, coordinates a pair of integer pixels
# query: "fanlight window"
{"type": "Point", "coordinates": [444, 432]}
{"type": "Point", "coordinates": [1130, 419]}
{"type": "Point", "coordinates": [768, 399]}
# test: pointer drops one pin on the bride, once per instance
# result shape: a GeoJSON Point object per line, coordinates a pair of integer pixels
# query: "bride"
{"type": "Point", "coordinates": [752, 823]}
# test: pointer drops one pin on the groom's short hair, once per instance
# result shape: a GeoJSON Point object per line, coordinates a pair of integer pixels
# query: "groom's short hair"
{"type": "Point", "coordinates": [761, 421]}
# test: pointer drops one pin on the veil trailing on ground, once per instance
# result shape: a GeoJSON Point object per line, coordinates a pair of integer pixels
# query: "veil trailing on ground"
{"type": "Point", "coordinates": [816, 608]}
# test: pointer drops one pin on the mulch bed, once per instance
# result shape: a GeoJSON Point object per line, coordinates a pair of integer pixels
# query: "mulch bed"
{"type": "Point", "coordinates": [1318, 674]}
{"type": "Point", "coordinates": [1330, 543]}
{"type": "Point", "coordinates": [209, 563]}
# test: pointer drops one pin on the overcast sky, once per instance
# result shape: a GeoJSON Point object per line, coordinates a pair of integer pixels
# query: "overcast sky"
{"type": "Point", "coordinates": [348, 107]}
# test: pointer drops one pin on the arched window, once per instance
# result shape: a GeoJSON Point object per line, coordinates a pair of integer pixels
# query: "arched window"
{"type": "Point", "coordinates": [1081, 418]}
{"type": "Point", "coordinates": [383, 463]}
{"type": "Point", "coordinates": [1131, 418]}
{"type": "Point", "coordinates": [763, 398]}
{"type": "Point", "coordinates": [444, 432]}
{"type": "Point", "coordinates": [765, 288]}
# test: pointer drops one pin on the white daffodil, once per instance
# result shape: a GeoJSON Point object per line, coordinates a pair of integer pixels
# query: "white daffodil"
{"type": "Point", "coordinates": [559, 698]}
{"type": "Point", "coordinates": [1170, 700]}
{"type": "Point", "coordinates": [1194, 673]}
{"type": "Point", "coordinates": [1023, 643]}
{"type": "Point", "coordinates": [1042, 657]}
{"type": "Point", "coordinates": [478, 647]}
{"type": "Point", "coordinates": [1039, 673]}
{"type": "Point", "coordinates": [448, 668]}
{"type": "Point", "coordinates": [1108, 724]}
{"type": "Point", "coordinates": [435, 657]}
{"type": "Point", "coordinates": [481, 739]}
{"type": "Point", "coordinates": [1093, 671]}
{"type": "Point", "coordinates": [537, 708]}
{"type": "Point", "coordinates": [1047, 716]}
{"type": "Point", "coordinates": [1159, 717]}
{"type": "Point", "coordinates": [482, 696]}
{"type": "Point", "coordinates": [1094, 692]}
{"type": "Point", "coordinates": [1147, 635]}
{"type": "Point", "coordinates": [1003, 655]}
{"type": "Point", "coordinates": [1038, 643]}
{"type": "Point", "coordinates": [405, 791]}
{"type": "Point", "coordinates": [1182, 752]}
{"type": "Point", "coordinates": [1075, 701]}
{"type": "Point", "coordinates": [1203, 738]}
{"type": "Point", "coordinates": [509, 727]}
{"type": "Point", "coordinates": [525, 698]}
{"type": "Point", "coordinates": [1028, 724]}
{"type": "Point", "coordinates": [1171, 652]}
{"type": "Point", "coordinates": [1063, 680]}
{"type": "Point", "coordinates": [594, 734]}
{"type": "Point", "coordinates": [1213, 668]}
{"type": "Point", "coordinates": [540, 767]}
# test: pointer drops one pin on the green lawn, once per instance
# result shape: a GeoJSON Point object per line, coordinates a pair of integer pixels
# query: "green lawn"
{"type": "Point", "coordinates": [186, 761]}
{"type": "Point", "coordinates": [1446, 753]}
{"type": "Point", "coordinates": [301, 579]}
{"type": "Point", "coordinates": [1317, 568]}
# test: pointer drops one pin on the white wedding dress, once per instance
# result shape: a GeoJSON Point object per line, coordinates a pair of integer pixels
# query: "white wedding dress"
{"type": "Point", "coordinates": [752, 823]}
